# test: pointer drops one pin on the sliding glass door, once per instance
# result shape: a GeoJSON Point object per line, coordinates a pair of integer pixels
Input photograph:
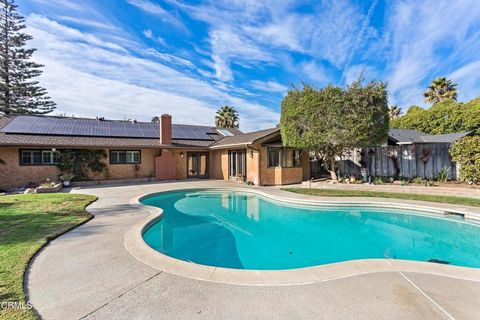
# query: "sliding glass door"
{"type": "Point", "coordinates": [237, 163]}
{"type": "Point", "coordinates": [197, 165]}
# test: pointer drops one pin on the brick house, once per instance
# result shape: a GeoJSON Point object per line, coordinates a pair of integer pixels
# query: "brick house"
{"type": "Point", "coordinates": [29, 148]}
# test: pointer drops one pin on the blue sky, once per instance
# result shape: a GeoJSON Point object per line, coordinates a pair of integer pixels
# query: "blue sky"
{"type": "Point", "coordinates": [134, 59]}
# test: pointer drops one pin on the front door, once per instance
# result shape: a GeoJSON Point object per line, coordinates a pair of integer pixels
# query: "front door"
{"type": "Point", "coordinates": [197, 164]}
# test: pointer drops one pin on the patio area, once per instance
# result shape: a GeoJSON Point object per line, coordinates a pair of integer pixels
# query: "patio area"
{"type": "Point", "coordinates": [88, 273]}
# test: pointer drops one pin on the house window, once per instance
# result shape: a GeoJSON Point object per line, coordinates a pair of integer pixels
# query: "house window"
{"type": "Point", "coordinates": [38, 157]}
{"type": "Point", "coordinates": [287, 158]}
{"type": "Point", "coordinates": [283, 157]}
{"type": "Point", "coordinates": [297, 162]}
{"type": "Point", "coordinates": [274, 157]}
{"type": "Point", "coordinates": [124, 156]}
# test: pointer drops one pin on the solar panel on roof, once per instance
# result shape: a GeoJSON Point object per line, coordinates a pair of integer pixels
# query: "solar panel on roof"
{"type": "Point", "coordinates": [187, 132]}
{"type": "Point", "coordinates": [81, 127]}
{"type": "Point", "coordinates": [100, 128]}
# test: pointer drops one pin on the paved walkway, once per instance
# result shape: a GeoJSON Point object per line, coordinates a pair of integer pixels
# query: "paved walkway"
{"type": "Point", "coordinates": [87, 273]}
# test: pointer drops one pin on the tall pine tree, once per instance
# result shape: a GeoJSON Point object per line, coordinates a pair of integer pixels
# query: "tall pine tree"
{"type": "Point", "coordinates": [19, 92]}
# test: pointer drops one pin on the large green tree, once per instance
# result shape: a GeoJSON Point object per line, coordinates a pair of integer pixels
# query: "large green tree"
{"type": "Point", "coordinates": [19, 92]}
{"type": "Point", "coordinates": [227, 117]}
{"type": "Point", "coordinates": [444, 117]}
{"type": "Point", "coordinates": [332, 120]}
{"type": "Point", "coordinates": [440, 89]}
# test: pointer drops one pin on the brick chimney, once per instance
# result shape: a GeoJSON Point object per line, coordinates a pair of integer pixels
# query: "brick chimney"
{"type": "Point", "coordinates": [166, 129]}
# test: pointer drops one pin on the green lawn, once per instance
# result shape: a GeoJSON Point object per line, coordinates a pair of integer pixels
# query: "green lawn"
{"type": "Point", "coordinates": [26, 223]}
{"type": "Point", "coordinates": [379, 194]}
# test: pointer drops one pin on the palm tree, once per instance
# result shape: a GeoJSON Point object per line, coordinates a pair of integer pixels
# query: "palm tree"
{"type": "Point", "coordinates": [227, 117]}
{"type": "Point", "coordinates": [441, 89]}
{"type": "Point", "coordinates": [394, 112]}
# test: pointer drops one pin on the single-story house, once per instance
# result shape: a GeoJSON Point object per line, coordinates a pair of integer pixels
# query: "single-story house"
{"type": "Point", "coordinates": [405, 153]}
{"type": "Point", "coordinates": [29, 148]}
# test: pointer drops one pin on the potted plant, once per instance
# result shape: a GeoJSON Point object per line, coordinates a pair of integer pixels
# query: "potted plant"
{"type": "Point", "coordinates": [48, 187]}
{"type": "Point", "coordinates": [66, 178]}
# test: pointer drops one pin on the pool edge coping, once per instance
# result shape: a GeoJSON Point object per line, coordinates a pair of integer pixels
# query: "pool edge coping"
{"type": "Point", "coordinates": [138, 248]}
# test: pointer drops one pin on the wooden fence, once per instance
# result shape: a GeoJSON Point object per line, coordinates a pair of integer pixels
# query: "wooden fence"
{"type": "Point", "coordinates": [409, 161]}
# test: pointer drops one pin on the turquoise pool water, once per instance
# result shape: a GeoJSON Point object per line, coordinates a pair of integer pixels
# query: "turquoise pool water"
{"type": "Point", "coordinates": [246, 231]}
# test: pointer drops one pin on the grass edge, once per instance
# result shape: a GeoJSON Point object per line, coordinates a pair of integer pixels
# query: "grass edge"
{"type": "Point", "coordinates": [49, 239]}
{"type": "Point", "coordinates": [462, 200]}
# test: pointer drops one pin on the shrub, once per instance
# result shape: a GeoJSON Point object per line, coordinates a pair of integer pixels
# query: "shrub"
{"type": "Point", "coordinates": [84, 164]}
{"type": "Point", "coordinates": [48, 184]}
{"type": "Point", "coordinates": [466, 152]}
{"type": "Point", "coordinates": [418, 180]}
{"type": "Point", "coordinates": [443, 174]}
{"type": "Point", "coordinates": [381, 180]}
{"type": "Point", "coordinates": [444, 117]}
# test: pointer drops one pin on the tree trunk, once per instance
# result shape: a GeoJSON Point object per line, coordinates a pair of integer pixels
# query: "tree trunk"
{"type": "Point", "coordinates": [333, 174]}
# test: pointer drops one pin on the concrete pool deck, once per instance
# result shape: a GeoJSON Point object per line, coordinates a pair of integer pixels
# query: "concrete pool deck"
{"type": "Point", "coordinates": [88, 273]}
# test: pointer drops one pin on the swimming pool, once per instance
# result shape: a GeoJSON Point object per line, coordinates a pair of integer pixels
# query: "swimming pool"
{"type": "Point", "coordinates": [242, 230]}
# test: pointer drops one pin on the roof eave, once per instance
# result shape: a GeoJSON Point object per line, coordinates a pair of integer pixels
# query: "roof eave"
{"type": "Point", "coordinates": [230, 145]}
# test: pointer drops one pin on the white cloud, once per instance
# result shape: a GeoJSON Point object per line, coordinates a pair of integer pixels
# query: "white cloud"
{"type": "Point", "coordinates": [353, 73]}
{"type": "Point", "coordinates": [170, 58]}
{"type": "Point", "coordinates": [283, 33]}
{"type": "Point", "coordinates": [89, 23]}
{"type": "Point", "coordinates": [360, 39]}
{"type": "Point", "coordinates": [157, 10]}
{"type": "Point", "coordinates": [425, 40]}
{"type": "Point", "coordinates": [468, 77]}
{"type": "Point", "coordinates": [149, 34]}
{"type": "Point", "coordinates": [69, 34]}
{"type": "Point", "coordinates": [84, 74]}
{"type": "Point", "coordinates": [97, 96]}
{"type": "Point", "coordinates": [336, 31]}
{"type": "Point", "coordinates": [228, 46]}
{"type": "Point", "coordinates": [68, 4]}
{"type": "Point", "coordinates": [251, 30]}
{"type": "Point", "coordinates": [315, 72]}
{"type": "Point", "coordinates": [269, 86]}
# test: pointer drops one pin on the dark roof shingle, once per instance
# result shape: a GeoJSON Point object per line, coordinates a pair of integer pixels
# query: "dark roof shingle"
{"type": "Point", "coordinates": [245, 138]}
{"type": "Point", "coordinates": [413, 136]}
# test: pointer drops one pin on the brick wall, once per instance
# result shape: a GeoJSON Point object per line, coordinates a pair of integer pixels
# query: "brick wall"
{"type": "Point", "coordinates": [253, 157]}
{"type": "Point", "coordinates": [219, 164]}
{"type": "Point", "coordinates": [131, 171]}
{"type": "Point", "coordinates": [166, 165]}
{"type": "Point", "coordinates": [279, 175]}
{"type": "Point", "coordinates": [13, 175]}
